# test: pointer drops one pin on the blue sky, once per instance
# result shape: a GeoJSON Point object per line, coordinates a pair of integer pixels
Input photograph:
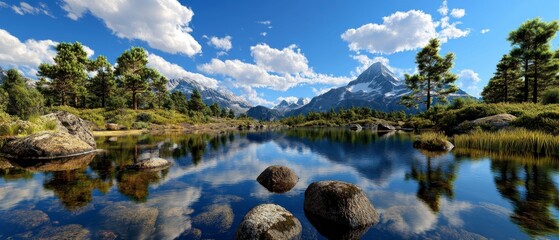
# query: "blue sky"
{"type": "Point", "coordinates": [267, 50]}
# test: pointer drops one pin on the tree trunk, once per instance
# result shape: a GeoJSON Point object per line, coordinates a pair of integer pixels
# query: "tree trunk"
{"type": "Point", "coordinates": [526, 83]}
{"type": "Point", "coordinates": [506, 87]}
{"type": "Point", "coordinates": [535, 97]}
{"type": "Point", "coordinates": [134, 100]}
{"type": "Point", "coordinates": [63, 96]}
{"type": "Point", "coordinates": [428, 93]}
{"type": "Point", "coordinates": [103, 100]}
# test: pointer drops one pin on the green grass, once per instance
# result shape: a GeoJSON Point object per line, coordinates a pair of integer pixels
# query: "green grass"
{"type": "Point", "coordinates": [431, 141]}
{"type": "Point", "coordinates": [519, 141]}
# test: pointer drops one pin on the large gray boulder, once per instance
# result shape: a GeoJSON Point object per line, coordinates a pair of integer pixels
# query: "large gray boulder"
{"type": "Point", "coordinates": [340, 203]}
{"type": "Point", "coordinates": [491, 123]}
{"type": "Point", "coordinates": [278, 179]}
{"type": "Point", "coordinates": [72, 124]}
{"type": "Point", "coordinates": [269, 221]}
{"type": "Point", "coordinates": [46, 145]}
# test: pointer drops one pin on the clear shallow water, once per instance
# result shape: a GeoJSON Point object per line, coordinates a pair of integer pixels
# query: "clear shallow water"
{"type": "Point", "coordinates": [211, 186]}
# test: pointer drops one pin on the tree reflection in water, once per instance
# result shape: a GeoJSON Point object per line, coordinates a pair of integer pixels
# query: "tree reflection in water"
{"type": "Point", "coordinates": [530, 188]}
{"type": "Point", "coordinates": [435, 177]}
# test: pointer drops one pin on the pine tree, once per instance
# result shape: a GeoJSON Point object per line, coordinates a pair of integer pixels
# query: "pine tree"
{"type": "Point", "coordinates": [505, 85]}
{"type": "Point", "coordinates": [434, 78]}
{"type": "Point", "coordinates": [214, 108]}
{"type": "Point", "coordinates": [531, 46]}
{"type": "Point", "coordinates": [68, 73]}
{"type": "Point", "coordinates": [179, 102]}
{"type": "Point", "coordinates": [103, 84]}
{"type": "Point", "coordinates": [231, 114]}
{"type": "Point", "coordinates": [159, 88]}
{"type": "Point", "coordinates": [22, 101]}
{"type": "Point", "coordinates": [195, 103]}
{"type": "Point", "coordinates": [133, 74]}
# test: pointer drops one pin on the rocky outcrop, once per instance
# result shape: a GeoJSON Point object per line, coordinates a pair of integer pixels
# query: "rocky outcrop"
{"type": "Point", "coordinates": [490, 123]}
{"type": "Point", "coordinates": [72, 124]}
{"type": "Point", "coordinates": [152, 163]}
{"type": "Point", "coordinates": [46, 145]}
{"type": "Point", "coordinates": [269, 221]}
{"type": "Point", "coordinates": [355, 127]}
{"type": "Point", "coordinates": [278, 179]}
{"type": "Point", "coordinates": [339, 204]}
{"type": "Point", "coordinates": [385, 127]}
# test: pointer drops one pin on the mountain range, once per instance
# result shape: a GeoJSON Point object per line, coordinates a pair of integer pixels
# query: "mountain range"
{"type": "Point", "coordinates": [223, 97]}
{"type": "Point", "coordinates": [376, 88]}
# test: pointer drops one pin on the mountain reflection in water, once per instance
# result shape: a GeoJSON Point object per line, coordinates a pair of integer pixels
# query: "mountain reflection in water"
{"type": "Point", "coordinates": [211, 186]}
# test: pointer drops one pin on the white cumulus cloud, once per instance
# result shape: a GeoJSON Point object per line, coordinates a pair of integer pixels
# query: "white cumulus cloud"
{"type": "Point", "coordinates": [401, 31]}
{"type": "Point", "coordinates": [171, 70]}
{"type": "Point", "coordinates": [287, 60]}
{"type": "Point", "coordinates": [26, 8]}
{"type": "Point", "coordinates": [469, 80]}
{"type": "Point", "coordinates": [163, 24]}
{"type": "Point", "coordinates": [485, 30]}
{"type": "Point", "coordinates": [28, 55]}
{"type": "Point", "coordinates": [221, 43]}
{"type": "Point", "coordinates": [404, 31]}
{"type": "Point", "coordinates": [458, 12]}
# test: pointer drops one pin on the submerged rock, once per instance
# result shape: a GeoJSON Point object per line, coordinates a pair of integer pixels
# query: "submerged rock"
{"type": "Point", "coordinates": [67, 232]}
{"type": "Point", "coordinates": [130, 221]}
{"type": "Point", "coordinates": [217, 219]}
{"type": "Point", "coordinates": [46, 145]}
{"type": "Point", "coordinates": [269, 221]}
{"type": "Point", "coordinates": [278, 179]}
{"type": "Point", "coordinates": [339, 204]}
{"type": "Point", "coordinates": [24, 219]}
{"type": "Point", "coordinates": [72, 124]}
{"type": "Point", "coordinates": [152, 163]}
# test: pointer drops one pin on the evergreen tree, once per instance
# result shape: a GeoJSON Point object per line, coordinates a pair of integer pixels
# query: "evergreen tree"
{"type": "Point", "coordinates": [159, 88]}
{"type": "Point", "coordinates": [195, 103]}
{"type": "Point", "coordinates": [506, 84]}
{"type": "Point", "coordinates": [434, 77]}
{"type": "Point", "coordinates": [22, 101]}
{"type": "Point", "coordinates": [531, 46]}
{"type": "Point", "coordinates": [179, 102]}
{"type": "Point", "coordinates": [103, 85]}
{"type": "Point", "coordinates": [68, 73]}
{"type": "Point", "coordinates": [133, 74]}
{"type": "Point", "coordinates": [223, 113]}
{"type": "Point", "coordinates": [231, 114]}
{"type": "Point", "coordinates": [214, 108]}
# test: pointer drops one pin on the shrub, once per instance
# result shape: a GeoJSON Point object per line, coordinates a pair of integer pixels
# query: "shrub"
{"type": "Point", "coordinates": [550, 96]}
{"type": "Point", "coordinates": [144, 117]}
{"type": "Point", "coordinates": [140, 125]}
{"type": "Point", "coordinates": [434, 141]}
{"type": "Point", "coordinates": [545, 121]}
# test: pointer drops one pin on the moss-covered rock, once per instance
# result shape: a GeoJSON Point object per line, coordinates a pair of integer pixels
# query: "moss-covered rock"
{"type": "Point", "coordinates": [269, 221]}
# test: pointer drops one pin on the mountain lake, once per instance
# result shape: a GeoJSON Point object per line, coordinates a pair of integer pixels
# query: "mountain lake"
{"type": "Point", "coordinates": [211, 185]}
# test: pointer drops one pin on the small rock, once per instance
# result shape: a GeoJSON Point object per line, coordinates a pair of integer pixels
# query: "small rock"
{"type": "Point", "coordinates": [106, 235]}
{"type": "Point", "coordinates": [112, 139]}
{"type": "Point", "coordinates": [269, 221]}
{"type": "Point", "coordinates": [355, 127]}
{"type": "Point", "coordinates": [340, 203]}
{"type": "Point", "coordinates": [152, 163]}
{"type": "Point", "coordinates": [278, 179]}
{"type": "Point", "coordinates": [112, 126]}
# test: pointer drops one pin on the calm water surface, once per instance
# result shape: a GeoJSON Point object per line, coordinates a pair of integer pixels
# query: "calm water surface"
{"type": "Point", "coordinates": [211, 186]}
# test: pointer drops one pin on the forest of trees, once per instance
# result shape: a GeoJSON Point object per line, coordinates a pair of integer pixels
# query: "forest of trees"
{"type": "Point", "coordinates": [530, 71]}
{"type": "Point", "coordinates": [76, 81]}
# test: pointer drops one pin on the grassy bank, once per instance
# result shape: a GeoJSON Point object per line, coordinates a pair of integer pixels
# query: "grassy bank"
{"type": "Point", "coordinates": [518, 141]}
